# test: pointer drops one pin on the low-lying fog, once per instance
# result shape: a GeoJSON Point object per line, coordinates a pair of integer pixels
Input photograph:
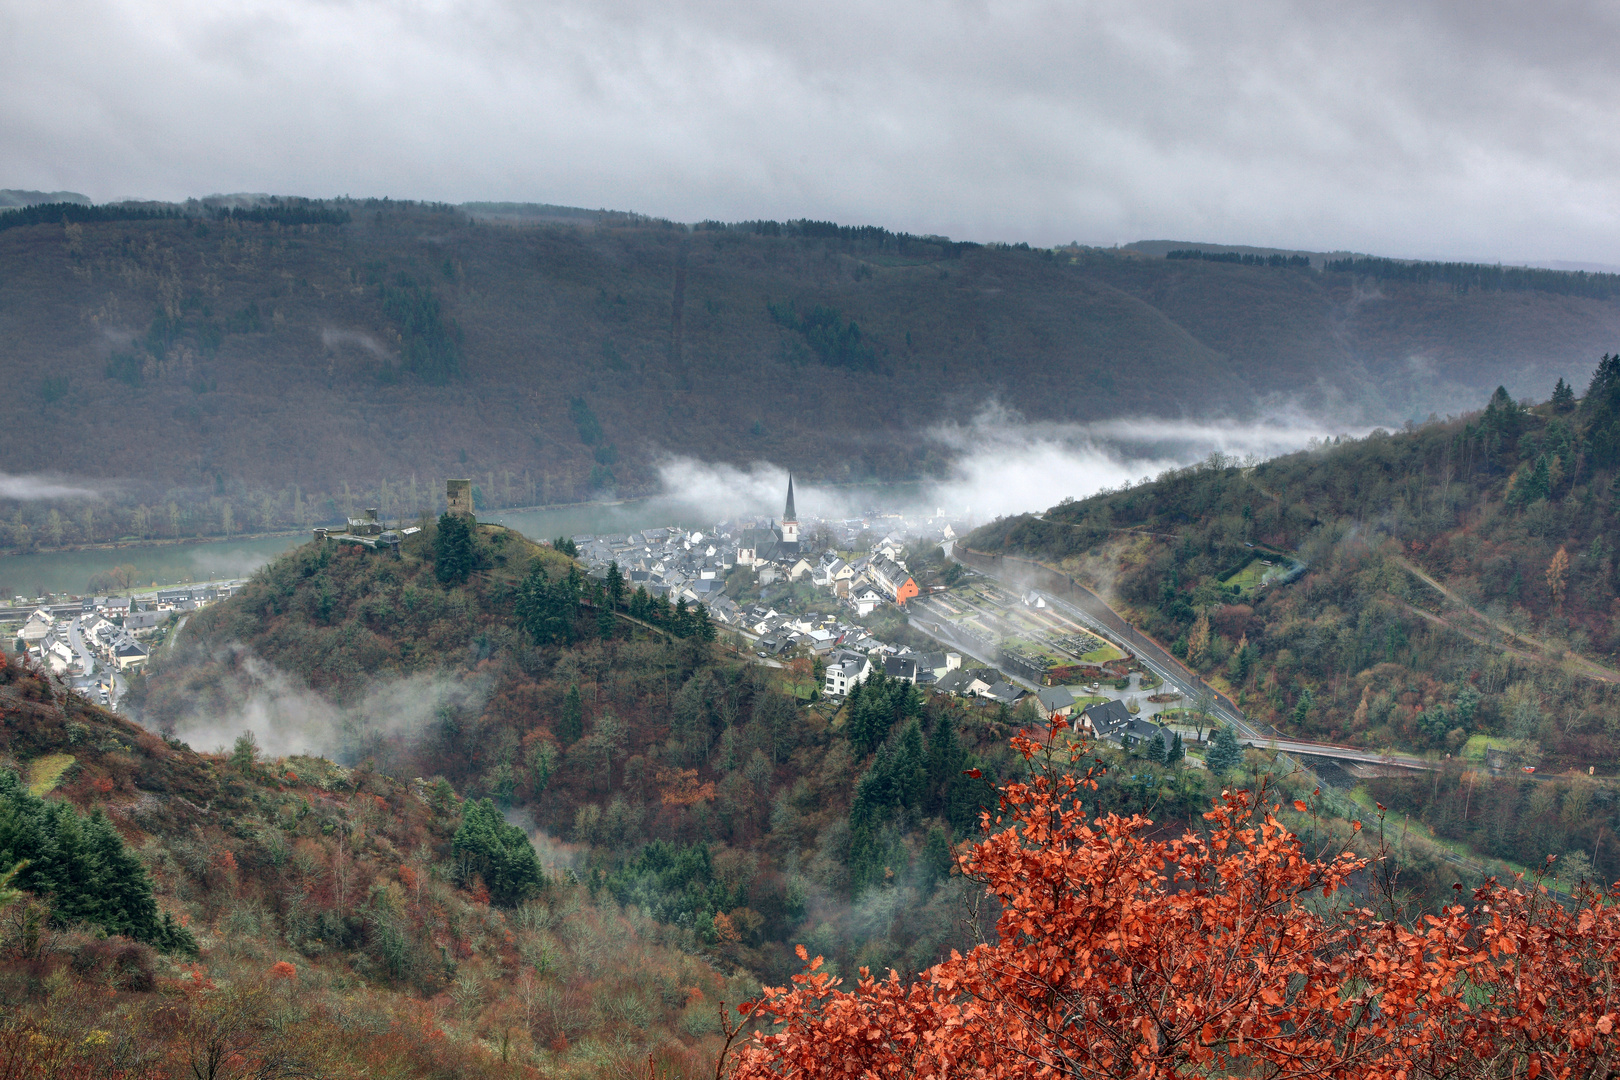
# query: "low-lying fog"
{"type": "Point", "coordinates": [1002, 464]}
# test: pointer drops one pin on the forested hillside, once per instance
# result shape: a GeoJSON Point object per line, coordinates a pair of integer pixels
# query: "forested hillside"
{"type": "Point", "coordinates": [241, 365]}
{"type": "Point", "coordinates": [668, 772]}
{"type": "Point", "coordinates": [1432, 590]}
{"type": "Point", "coordinates": [177, 913]}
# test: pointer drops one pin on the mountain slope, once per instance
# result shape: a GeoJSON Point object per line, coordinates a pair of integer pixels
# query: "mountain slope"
{"type": "Point", "coordinates": [1437, 590]}
{"type": "Point", "coordinates": [289, 360]}
{"type": "Point", "coordinates": [342, 928]}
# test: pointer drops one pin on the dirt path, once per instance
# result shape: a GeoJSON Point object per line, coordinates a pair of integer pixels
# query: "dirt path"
{"type": "Point", "coordinates": [1587, 667]}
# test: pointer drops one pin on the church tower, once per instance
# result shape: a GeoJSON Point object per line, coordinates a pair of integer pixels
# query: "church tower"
{"type": "Point", "coordinates": [790, 521]}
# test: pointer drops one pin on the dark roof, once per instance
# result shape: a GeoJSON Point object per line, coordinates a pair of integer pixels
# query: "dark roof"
{"type": "Point", "coordinates": [1005, 691]}
{"type": "Point", "coordinates": [900, 667]}
{"type": "Point", "coordinates": [1055, 697]}
{"type": "Point", "coordinates": [1106, 715]}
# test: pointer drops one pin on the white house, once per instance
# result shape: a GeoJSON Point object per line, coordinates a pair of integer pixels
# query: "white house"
{"type": "Point", "coordinates": [38, 627]}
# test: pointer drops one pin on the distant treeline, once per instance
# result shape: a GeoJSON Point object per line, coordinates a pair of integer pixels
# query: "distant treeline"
{"type": "Point", "coordinates": [280, 211]}
{"type": "Point", "coordinates": [873, 235]}
{"type": "Point", "coordinates": [1465, 276]}
{"type": "Point", "coordinates": [1298, 261]}
{"type": "Point", "coordinates": [68, 213]}
{"type": "Point", "coordinates": [288, 212]}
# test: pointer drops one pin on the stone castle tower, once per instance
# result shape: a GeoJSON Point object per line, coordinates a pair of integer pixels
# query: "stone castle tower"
{"type": "Point", "coordinates": [458, 497]}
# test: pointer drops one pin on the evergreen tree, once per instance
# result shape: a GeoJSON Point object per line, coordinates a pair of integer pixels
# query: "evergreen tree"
{"type": "Point", "coordinates": [547, 608]}
{"type": "Point", "coordinates": [1225, 753]}
{"type": "Point", "coordinates": [1563, 397]}
{"type": "Point", "coordinates": [968, 796]}
{"type": "Point", "coordinates": [1600, 412]}
{"type": "Point", "coordinates": [499, 853]}
{"type": "Point", "coordinates": [453, 558]}
{"type": "Point", "coordinates": [615, 585]}
{"type": "Point", "coordinates": [640, 603]}
{"type": "Point", "coordinates": [1177, 752]}
{"type": "Point", "coordinates": [911, 768]}
{"type": "Point", "coordinates": [1156, 750]}
{"type": "Point", "coordinates": [82, 864]}
{"type": "Point", "coordinates": [937, 859]}
{"type": "Point", "coordinates": [571, 725]}
{"type": "Point", "coordinates": [945, 756]}
{"type": "Point", "coordinates": [1302, 710]}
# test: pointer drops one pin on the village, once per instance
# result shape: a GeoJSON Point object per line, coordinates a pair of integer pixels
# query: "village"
{"type": "Point", "coordinates": [875, 593]}
{"type": "Point", "coordinates": [91, 643]}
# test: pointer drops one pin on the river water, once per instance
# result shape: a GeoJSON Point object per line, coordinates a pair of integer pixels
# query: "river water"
{"type": "Point", "coordinates": [167, 564]}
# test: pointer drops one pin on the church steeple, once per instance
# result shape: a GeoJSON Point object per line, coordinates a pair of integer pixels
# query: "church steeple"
{"type": "Point", "coordinates": [790, 524]}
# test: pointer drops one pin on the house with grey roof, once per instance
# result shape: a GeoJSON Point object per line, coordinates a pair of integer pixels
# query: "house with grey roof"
{"type": "Point", "coordinates": [1054, 701]}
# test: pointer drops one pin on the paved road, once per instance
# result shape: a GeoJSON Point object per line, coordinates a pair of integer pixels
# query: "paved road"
{"type": "Point", "coordinates": [87, 661]}
{"type": "Point", "coordinates": [1089, 609]}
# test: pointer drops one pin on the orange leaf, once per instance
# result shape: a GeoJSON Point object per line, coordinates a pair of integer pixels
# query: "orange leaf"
{"type": "Point", "coordinates": [1299, 804]}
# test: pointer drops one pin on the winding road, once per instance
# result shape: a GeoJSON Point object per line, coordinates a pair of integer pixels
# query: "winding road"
{"type": "Point", "coordinates": [1092, 611]}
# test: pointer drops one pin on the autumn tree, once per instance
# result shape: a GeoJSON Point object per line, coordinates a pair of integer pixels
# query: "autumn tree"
{"type": "Point", "coordinates": [1557, 573]}
{"type": "Point", "coordinates": [1198, 639]}
{"type": "Point", "coordinates": [1228, 953]}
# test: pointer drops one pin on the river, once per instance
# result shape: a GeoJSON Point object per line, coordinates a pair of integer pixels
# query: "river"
{"type": "Point", "coordinates": [166, 564]}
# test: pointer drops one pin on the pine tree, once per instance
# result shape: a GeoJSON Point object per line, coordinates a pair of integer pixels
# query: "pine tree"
{"type": "Point", "coordinates": [1177, 752]}
{"type": "Point", "coordinates": [499, 853]}
{"type": "Point", "coordinates": [937, 859]}
{"type": "Point", "coordinates": [911, 768]}
{"type": "Point", "coordinates": [453, 558]}
{"type": "Point", "coordinates": [615, 585]}
{"type": "Point", "coordinates": [1225, 752]}
{"type": "Point", "coordinates": [944, 764]}
{"type": "Point", "coordinates": [547, 608]}
{"type": "Point", "coordinates": [1563, 397]}
{"type": "Point", "coordinates": [1302, 710]}
{"type": "Point", "coordinates": [1156, 750]}
{"type": "Point", "coordinates": [83, 865]}
{"type": "Point", "coordinates": [571, 725]}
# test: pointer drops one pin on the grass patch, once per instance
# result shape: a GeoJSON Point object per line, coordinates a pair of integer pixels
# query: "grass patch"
{"type": "Point", "coordinates": [1103, 655]}
{"type": "Point", "coordinates": [1474, 748]}
{"type": "Point", "coordinates": [1088, 700]}
{"type": "Point", "coordinates": [46, 772]}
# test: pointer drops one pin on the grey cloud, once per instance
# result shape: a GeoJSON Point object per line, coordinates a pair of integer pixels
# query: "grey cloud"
{"type": "Point", "coordinates": [1478, 130]}
{"type": "Point", "coordinates": [29, 487]}
{"type": "Point", "coordinates": [1001, 464]}
{"type": "Point", "coordinates": [287, 717]}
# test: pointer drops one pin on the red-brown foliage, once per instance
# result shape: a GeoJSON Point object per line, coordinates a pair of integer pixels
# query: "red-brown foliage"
{"type": "Point", "coordinates": [1226, 954]}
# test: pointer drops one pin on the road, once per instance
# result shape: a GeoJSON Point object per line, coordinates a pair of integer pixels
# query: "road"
{"type": "Point", "coordinates": [1090, 610]}
{"type": "Point", "coordinates": [87, 662]}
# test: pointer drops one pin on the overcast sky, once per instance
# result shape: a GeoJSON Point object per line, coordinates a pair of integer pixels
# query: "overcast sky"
{"type": "Point", "coordinates": [1460, 130]}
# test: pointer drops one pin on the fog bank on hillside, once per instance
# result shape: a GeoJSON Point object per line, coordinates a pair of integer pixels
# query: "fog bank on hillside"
{"type": "Point", "coordinates": [1000, 464]}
